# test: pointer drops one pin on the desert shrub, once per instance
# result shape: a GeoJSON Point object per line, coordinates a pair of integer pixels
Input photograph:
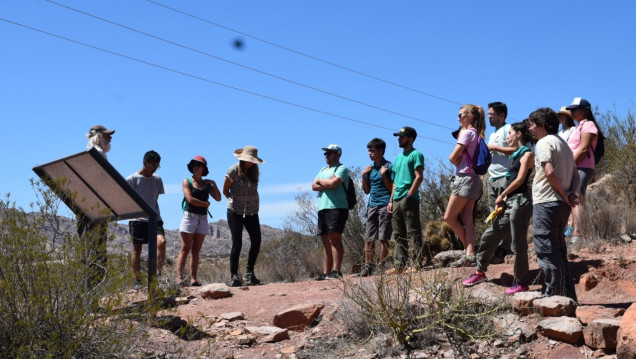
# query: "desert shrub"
{"type": "Point", "coordinates": [291, 258]}
{"type": "Point", "coordinates": [48, 306]}
{"type": "Point", "coordinates": [414, 308]}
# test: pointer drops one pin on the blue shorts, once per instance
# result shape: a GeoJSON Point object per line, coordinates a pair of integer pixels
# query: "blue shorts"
{"type": "Point", "coordinates": [194, 223]}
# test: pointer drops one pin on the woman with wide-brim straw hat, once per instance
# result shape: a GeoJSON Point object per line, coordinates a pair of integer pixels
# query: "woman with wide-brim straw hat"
{"type": "Point", "coordinates": [194, 224]}
{"type": "Point", "coordinates": [241, 190]}
{"type": "Point", "coordinates": [567, 123]}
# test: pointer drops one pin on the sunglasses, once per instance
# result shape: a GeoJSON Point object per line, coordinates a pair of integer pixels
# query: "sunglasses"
{"type": "Point", "coordinates": [460, 115]}
{"type": "Point", "coordinates": [329, 153]}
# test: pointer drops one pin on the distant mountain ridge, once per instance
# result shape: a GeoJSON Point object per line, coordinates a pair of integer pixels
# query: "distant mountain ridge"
{"type": "Point", "coordinates": [217, 243]}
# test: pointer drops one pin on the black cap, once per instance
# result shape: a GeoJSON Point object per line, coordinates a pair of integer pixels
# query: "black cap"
{"type": "Point", "coordinates": [407, 131]}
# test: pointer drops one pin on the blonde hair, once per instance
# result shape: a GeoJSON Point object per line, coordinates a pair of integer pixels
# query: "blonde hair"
{"type": "Point", "coordinates": [477, 116]}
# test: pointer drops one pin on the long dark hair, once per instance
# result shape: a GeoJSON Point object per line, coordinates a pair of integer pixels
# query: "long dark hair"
{"type": "Point", "coordinates": [251, 174]}
{"type": "Point", "coordinates": [525, 131]}
{"type": "Point", "coordinates": [589, 115]}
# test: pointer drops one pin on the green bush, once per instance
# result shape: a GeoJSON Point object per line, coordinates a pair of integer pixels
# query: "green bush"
{"type": "Point", "coordinates": [48, 306]}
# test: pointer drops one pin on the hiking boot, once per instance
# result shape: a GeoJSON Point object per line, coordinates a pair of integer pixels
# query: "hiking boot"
{"type": "Point", "coordinates": [235, 281]}
{"type": "Point", "coordinates": [334, 275]}
{"type": "Point", "coordinates": [138, 284]}
{"type": "Point", "coordinates": [322, 277]}
{"type": "Point", "coordinates": [474, 279]}
{"type": "Point", "coordinates": [251, 279]}
{"type": "Point", "coordinates": [367, 271]}
{"type": "Point", "coordinates": [518, 287]}
{"type": "Point", "coordinates": [464, 261]}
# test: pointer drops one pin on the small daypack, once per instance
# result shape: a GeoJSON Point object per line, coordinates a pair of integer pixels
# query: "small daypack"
{"type": "Point", "coordinates": [350, 190]}
{"type": "Point", "coordinates": [482, 155]}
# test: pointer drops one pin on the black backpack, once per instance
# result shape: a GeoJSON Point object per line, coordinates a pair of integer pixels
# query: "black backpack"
{"type": "Point", "coordinates": [599, 150]}
{"type": "Point", "coordinates": [350, 190]}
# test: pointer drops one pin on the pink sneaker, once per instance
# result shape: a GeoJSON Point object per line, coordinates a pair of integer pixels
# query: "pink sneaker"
{"type": "Point", "coordinates": [518, 287]}
{"type": "Point", "coordinates": [475, 278]}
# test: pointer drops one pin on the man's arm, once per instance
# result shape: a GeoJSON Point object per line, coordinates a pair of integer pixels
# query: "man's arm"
{"type": "Point", "coordinates": [552, 178]}
{"type": "Point", "coordinates": [419, 177]}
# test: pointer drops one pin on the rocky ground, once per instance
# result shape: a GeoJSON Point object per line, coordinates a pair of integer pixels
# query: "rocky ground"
{"type": "Point", "coordinates": [247, 322]}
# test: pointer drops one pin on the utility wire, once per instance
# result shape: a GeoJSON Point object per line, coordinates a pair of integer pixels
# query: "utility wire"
{"type": "Point", "coordinates": [207, 80]}
{"type": "Point", "coordinates": [304, 54]}
{"type": "Point", "coordinates": [246, 67]}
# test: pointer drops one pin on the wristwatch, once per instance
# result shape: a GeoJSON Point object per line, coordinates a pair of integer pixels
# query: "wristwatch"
{"type": "Point", "coordinates": [407, 196]}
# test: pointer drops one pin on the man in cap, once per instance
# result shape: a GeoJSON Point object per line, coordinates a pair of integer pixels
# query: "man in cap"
{"type": "Point", "coordinates": [95, 234]}
{"type": "Point", "coordinates": [333, 210]}
{"type": "Point", "coordinates": [404, 203]}
{"type": "Point", "coordinates": [99, 137]}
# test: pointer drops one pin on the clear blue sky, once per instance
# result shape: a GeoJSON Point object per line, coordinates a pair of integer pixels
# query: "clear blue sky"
{"type": "Point", "coordinates": [526, 54]}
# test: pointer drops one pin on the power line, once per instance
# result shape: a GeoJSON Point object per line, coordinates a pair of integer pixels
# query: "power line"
{"type": "Point", "coordinates": [244, 66]}
{"type": "Point", "coordinates": [304, 54]}
{"type": "Point", "coordinates": [206, 80]}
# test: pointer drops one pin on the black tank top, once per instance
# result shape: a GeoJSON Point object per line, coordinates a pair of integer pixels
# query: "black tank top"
{"type": "Point", "coordinates": [200, 194]}
{"type": "Point", "coordinates": [514, 172]}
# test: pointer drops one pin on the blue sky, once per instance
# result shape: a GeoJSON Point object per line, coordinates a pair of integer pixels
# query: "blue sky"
{"type": "Point", "coordinates": [182, 100]}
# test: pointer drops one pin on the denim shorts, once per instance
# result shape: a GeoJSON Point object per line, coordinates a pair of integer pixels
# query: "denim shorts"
{"type": "Point", "coordinates": [586, 175]}
{"type": "Point", "coordinates": [194, 223]}
{"type": "Point", "coordinates": [467, 185]}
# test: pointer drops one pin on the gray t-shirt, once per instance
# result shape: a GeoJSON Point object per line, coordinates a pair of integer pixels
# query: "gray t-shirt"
{"type": "Point", "coordinates": [149, 188]}
{"type": "Point", "coordinates": [555, 150]}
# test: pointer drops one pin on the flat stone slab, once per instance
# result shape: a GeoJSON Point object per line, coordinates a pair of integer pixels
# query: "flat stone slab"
{"type": "Point", "coordinates": [565, 329]}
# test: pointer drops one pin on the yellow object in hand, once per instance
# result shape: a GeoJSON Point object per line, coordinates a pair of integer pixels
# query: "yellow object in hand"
{"type": "Point", "coordinates": [494, 214]}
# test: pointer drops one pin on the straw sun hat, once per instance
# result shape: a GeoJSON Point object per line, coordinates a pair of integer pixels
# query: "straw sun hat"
{"type": "Point", "coordinates": [249, 154]}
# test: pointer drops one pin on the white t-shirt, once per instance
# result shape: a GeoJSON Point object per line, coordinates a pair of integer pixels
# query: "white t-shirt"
{"type": "Point", "coordinates": [500, 162]}
{"type": "Point", "coordinates": [555, 150]}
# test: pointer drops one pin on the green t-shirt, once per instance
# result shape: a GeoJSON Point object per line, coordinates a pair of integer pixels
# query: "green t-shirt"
{"type": "Point", "coordinates": [404, 170]}
{"type": "Point", "coordinates": [331, 198]}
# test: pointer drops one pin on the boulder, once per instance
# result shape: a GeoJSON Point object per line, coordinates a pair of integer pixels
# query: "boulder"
{"type": "Point", "coordinates": [215, 291]}
{"type": "Point", "coordinates": [442, 259]}
{"type": "Point", "coordinates": [565, 329]}
{"type": "Point", "coordinates": [588, 313]}
{"type": "Point", "coordinates": [268, 334]}
{"type": "Point", "coordinates": [232, 316]}
{"type": "Point", "coordinates": [522, 302]}
{"type": "Point", "coordinates": [555, 306]}
{"type": "Point", "coordinates": [298, 317]}
{"type": "Point", "coordinates": [510, 325]}
{"type": "Point", "coordinates": [601, 333]}
{"type": "Point", "coordinates": [487, 293]}
{"type": "Point", "coordinates": [588, 281]}
{"type": "Point", "coordinates": [626, 344]}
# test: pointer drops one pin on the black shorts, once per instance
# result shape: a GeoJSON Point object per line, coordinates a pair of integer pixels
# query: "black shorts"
{"type": "Point", "coordinates": [332, 220]}
{"type": "Point", "coordinates": [139, 231]}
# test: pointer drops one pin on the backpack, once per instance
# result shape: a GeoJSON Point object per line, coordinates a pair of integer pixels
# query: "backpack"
{"type": "Point", "coordinates": [599, 150]}
{"type": "Point", "coordinates": [350, 190]}
{"type": "Point", "coordinates": [483, 156]}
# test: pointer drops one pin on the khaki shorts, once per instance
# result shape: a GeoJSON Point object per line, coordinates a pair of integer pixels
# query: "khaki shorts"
{"type": "Point", "coordinates": [467, 185]}
{"type": "Point", "coordinates": [378, 224]}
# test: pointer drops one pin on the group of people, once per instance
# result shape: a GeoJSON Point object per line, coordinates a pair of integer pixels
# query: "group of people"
{"type": "Point", "coordinates": [393, 207]}
{"type": "Point", "coordinates": [563, 163]}
{"type": "Point", "coordinates": [240, 187]}
{"type": "Point", "coordinates": [562, 160]}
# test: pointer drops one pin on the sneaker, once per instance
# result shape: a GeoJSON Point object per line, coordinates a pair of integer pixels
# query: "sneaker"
{"type": "Point", "coordinates": [322, 277]}
{"type": "Point", "coordinates": [518, 287]}
{"type": "Point", "coordinates": [367, 271]}
{"type": "Point", "coordinates": [334, 275]}
{"type": "Point", "coordinates": [474, 279]}
{"type": "Point", "coordinates": [195, 284]}
{"type": "Point", "coordinates": [464, 261]}
{"type": "Point", "coordinates": [235, 281]}
{"type": "Point", "coordinates": [569, 230]}
{"type": "Point", "coordinates": [251, 279]}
